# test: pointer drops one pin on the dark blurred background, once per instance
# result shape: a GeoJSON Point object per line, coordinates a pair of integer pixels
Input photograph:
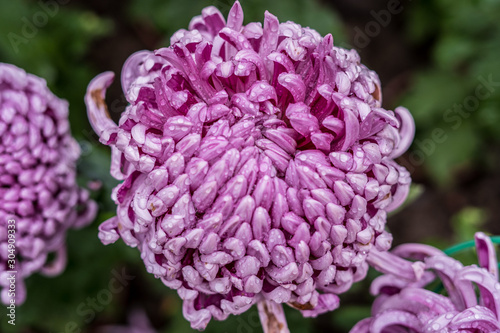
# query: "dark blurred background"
{"type": "Point", "coordinates": [438, 58]}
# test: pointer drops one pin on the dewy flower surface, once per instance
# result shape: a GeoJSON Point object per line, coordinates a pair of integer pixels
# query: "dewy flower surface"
{"type": "Point", "coordinates": [257, 165]}
{"type": "Point", "coordinates": [405, 306]}
{"type": "Point", "coordinates": [38, 189]}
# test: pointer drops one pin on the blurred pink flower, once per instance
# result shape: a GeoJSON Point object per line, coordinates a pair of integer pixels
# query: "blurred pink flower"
{"type": "Point", "coordinates": [38, 188]}
{"type": "Point", "coordinates": [403, 305]}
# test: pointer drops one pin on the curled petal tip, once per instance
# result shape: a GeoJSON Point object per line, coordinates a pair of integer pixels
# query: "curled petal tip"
{"type": "Point", "coordinates": [131, 70]}
{"type": "Point", "coordinates": [97, 109]}
{"type": "Point", "coordinates": [57, 265]}
{"type": "Point", "coordinates": [235, 16]}
{"type": "Point", "coordinates": [407, 131]}
{"type": "Point", "coordinates": [486, 253]}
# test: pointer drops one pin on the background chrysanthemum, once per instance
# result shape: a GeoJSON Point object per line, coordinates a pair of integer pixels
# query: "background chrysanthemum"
{"type": "Point", "coordinates": [38, 188]}
{"type": "Point", "coordinates": [257, 165]}
{"type": "Point", "coordinates": [403, 305]}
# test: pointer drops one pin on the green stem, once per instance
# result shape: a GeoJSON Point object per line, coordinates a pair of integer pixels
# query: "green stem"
{"type": "Point", "coordinates": [460, 247]}
{"type": "Point", "coordinates": [467, 245]}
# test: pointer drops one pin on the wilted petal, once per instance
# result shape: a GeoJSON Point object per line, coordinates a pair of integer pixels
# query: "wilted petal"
{"type": "Point", "coordinates": [272, 317]}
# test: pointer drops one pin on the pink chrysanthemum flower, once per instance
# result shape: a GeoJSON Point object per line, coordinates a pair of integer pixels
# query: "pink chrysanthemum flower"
{"type": "Point", "coordinates": [257, 166]}
{"type": "Point", "coordinates": [39, 197]}
{"type": "Point", "coordinates": [405, 306]}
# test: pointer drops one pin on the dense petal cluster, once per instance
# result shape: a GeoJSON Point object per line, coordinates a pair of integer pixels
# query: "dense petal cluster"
{"type": "Point", "coordinates": [257, 164]}
{"type": "Point", "coordinates": [405, 306]}
{"type": "Point", "coordinates": [38, 189]}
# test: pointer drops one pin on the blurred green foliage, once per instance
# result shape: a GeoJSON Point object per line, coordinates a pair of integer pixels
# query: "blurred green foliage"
{"type": "Point", "coordinates": [168, 16]}
{"type": "Point", "coordinates": [465, 224]}
{"type": "Point", "coordinates": [450, 91]}
{"type": "Point", "coordinates": [52, 42]}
